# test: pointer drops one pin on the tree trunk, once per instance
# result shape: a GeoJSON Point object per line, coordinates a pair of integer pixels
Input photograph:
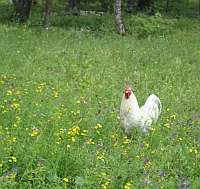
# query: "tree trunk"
{"type": "Point", "coordinates": [21, 10]}
{"type": "Point", "coordinates": [118, 17]}
{"type": "Point", "coordinates": [47, 13]}
{"type": "Point", "coordinates": [104, 5]}
{"type": "Point", "coordinates": [199, 6]}
{"type": "Point", "coordinates": [71, 4]}
{"type": "Point", "coordinates": [167, 7]}
{"type": "Point", "coordinates": [130, 5]}
{"type": "Point", "coordinates": [144, 4]}
{"type": "Point", "coordinates": [77, 2]}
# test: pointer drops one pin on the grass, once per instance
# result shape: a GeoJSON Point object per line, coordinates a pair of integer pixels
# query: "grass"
{"type": "Point", "coordinates": [59, 104]}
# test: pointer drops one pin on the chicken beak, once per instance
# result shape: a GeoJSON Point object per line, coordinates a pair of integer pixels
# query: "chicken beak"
{"type": "Point", "coordinates": [126, 94]}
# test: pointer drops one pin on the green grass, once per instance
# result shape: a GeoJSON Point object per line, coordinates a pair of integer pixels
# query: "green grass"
{"type": "Point", "coordinates": [59, 109]}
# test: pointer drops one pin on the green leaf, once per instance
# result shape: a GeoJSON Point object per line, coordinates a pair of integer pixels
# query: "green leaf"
{"type": "Point", "coordinates": [79, 181]}
{"type": "Point", "coordinates": [51, 177]}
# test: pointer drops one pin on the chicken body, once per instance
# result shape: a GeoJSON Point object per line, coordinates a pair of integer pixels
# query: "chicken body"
{"type": "Point", "coordinates": [133, 116]}
{"type": "Point", "coordinates": [152, 107]}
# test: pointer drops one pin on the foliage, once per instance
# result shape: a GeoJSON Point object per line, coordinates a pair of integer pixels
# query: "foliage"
{"type": "Point", "coordinates": [86, 24]}
{"type": "Point", "coordinates": [6, 11]}
{"type": "Point", "coordinates": [91, 21]}
{"type": "Point", "coordinates": [144, 26]}
{"type": "Point", "coordinates": [179, 9]}
{"type": "Point", "coordinates": [95, 6]}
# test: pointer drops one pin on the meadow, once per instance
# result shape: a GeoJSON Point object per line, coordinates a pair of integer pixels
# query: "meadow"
{"type": "Point", "coordinates": [59, 108]}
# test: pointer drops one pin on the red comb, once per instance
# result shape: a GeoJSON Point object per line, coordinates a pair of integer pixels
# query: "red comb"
{"type": "Point", "coordinates": [127, 87]}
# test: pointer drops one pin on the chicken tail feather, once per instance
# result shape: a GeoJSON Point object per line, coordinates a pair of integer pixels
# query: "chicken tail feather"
{"type": "Point", "coordinates": [152, 107]}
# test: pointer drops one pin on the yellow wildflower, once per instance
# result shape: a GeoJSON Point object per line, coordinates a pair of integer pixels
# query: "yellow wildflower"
{"type": "Point", "coordinates": [90, 141]}
{"type": "Point", "coordinates": [127, 186]}
{"type": "Point", "coordinates": [13, 175]}
{"type": "Point", "coordinates": [173, 116]}
{"type": "Point", "coordinates": [118, 117]}
{"type": "Point", "coordinates": [14, 139]}
{"type": "Point", "coordinates": [104, 174]}
{"type": "Point", "coordinates": [65, 179]}
{"type": "Point", "coordinates": [3, 76]}
{"type": "Point", "coordinates": [193, 149]}
{"type": "Point", "coordinates": [13, 159]}
{"type": "Point", "coordinates": [98, 126]}
{"type": "Point", "coordinates": [152, 128]}
{"type": "Point", "coordinates": [127, 141]}
{"type": "Point", "coordinates": [9, 92]}
{"type": "Point", "coordinates": [166, 125]}
{"type": "Point", "coordinates": [73, 139]}
{"type": "Point", "coordinates": [100, 158]}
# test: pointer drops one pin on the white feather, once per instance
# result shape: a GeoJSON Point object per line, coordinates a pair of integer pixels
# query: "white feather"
{"type": "Point", "coordinates": [152, 107]}
{"type": "Point", "coordinates": [132, 116]}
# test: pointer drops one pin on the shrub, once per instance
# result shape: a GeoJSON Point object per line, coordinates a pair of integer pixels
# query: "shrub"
{"type": "Point", "coordinates": [6, 11]}
{"type": "Point", "coordinates": [144, 26]}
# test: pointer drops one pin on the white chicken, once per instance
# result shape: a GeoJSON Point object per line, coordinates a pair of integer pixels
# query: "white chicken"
{"type": "Point", "coordinates": [133, 116]}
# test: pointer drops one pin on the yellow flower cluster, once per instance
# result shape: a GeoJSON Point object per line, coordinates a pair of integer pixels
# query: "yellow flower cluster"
{"type": "Point", "coordinates": [193, 149]}
{"type": "Point", "coordinates": [12, 159]}
{"type": "Point", "coordinates": [34, 132]}
{"type": "Point", "coordinates": [127, 186]}
{"type": "Point", "coordinates": [147, 165]}
{"type": "Point", "coordinates": [74, 131]}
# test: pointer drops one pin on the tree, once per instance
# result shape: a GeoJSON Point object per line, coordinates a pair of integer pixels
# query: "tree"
{"type": "Point", "coordinates": [21, 10]}
{"type": "Point", "coordinates": [144, 4]}
{"type": "Point", "coordinates": [199, 6]}
{"type": "Point", "coordinates": [104, 5]}
{"type": "Point", "coordinates": [47, 13]}
{"type": "Point", "coordinates": [130, 5]}
{"type": "Point", "coordinates": [118, 17]}
{"type": "Point", "coordinates": [167, 7]}
{"type": "Point", "coordinates": [78, 2]}
{"type": "Point", "coordinates": [71, 4]}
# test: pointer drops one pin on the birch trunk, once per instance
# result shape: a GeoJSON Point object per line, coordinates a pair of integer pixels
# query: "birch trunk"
{"type": "Point", "coordinates": [118, 17]}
